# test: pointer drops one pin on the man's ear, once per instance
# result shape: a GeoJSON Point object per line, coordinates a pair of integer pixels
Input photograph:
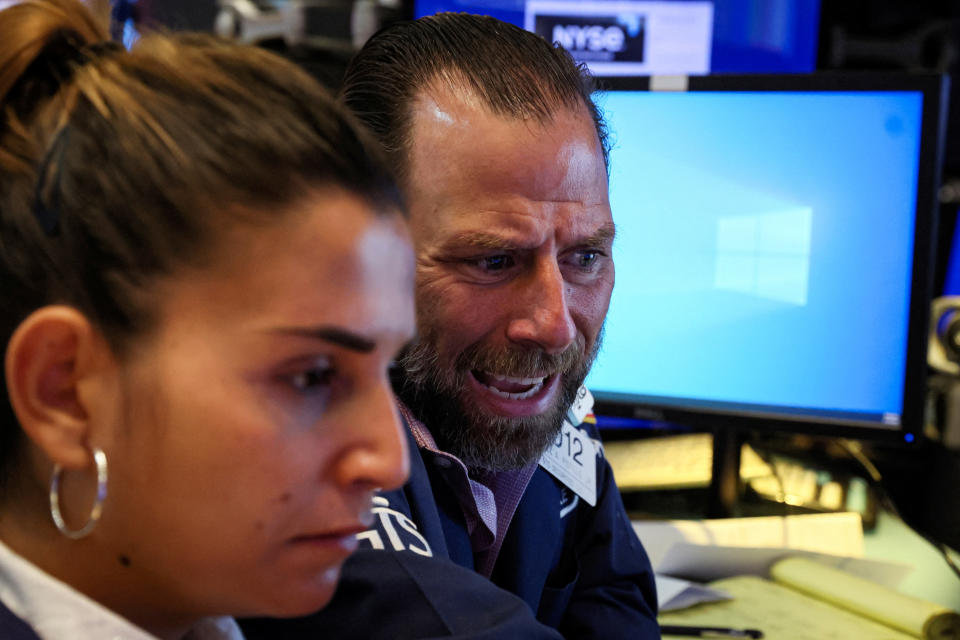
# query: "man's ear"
{"type": "Point", "coordinates": [47, 359]}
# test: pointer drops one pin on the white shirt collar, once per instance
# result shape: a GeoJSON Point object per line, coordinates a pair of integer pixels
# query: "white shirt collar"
{"type": "Point", "coordinates": [57, 611]}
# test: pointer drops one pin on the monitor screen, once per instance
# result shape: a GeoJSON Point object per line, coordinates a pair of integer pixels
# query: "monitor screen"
{"type": "Point", "coordinates": [642, 37]}
{"type": "Point", "coordinates": [773, 251]}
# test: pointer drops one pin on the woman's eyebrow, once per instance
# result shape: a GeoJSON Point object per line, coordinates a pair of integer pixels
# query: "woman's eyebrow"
{"type": "Point", "coordinates": [334, 335]}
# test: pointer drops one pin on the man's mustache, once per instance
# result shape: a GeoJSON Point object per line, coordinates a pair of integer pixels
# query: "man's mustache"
{"type": "Point", "coordinates": [520, 362]}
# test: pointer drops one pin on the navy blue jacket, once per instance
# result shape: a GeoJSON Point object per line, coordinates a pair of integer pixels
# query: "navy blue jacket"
{"type": "Point", "coordinates": [406, 596]}
{"type": "Point", "coordinates": [585, 573]}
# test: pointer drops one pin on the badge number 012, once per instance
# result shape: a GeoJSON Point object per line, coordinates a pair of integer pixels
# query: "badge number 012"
{"type": "Point", "coordinates": [570, 444]}
{"type": "Point", "coordinates": [572, 459]}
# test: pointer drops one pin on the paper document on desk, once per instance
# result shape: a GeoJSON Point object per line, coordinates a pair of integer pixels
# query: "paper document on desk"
{"type": "Point", "coordinates": [703, 550]}
{"type": "Point", "coordinates": [839, 534]}
{"type": "Point", "coordinates": [703, 563]}
{"type": "Point", "coordinates": [674, 593]}
{"type": "Point", "coordinates": [782, 614]}
{"type": "Point", "coordinates": [809, 601]}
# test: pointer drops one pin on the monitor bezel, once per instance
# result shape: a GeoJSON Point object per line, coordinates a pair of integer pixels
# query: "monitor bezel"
{"type": "Point", "coordinates": [934, 88]}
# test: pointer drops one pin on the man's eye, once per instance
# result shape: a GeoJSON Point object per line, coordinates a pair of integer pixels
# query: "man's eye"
{"type": "Point", "coordinates": [494, 263]}
{"type": "Point", "coordinates": [587, 258]}
{"type": "Point", "coordinates": [312, 379]}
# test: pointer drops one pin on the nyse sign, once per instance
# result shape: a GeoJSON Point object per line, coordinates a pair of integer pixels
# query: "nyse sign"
{"type": "Point", "coordinates": [595, 38]}
{"type": "Point", "coordinates": [628, 37]}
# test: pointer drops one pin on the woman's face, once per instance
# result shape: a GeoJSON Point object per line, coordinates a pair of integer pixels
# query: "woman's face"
{"type": "Point", "coordinates": [252, 427]}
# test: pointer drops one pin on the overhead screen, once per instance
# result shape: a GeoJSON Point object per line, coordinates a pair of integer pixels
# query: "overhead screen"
{"type": "Point", "coordinates": [773, 251]}
{"type": "Point", "coordinates": [633, 37]}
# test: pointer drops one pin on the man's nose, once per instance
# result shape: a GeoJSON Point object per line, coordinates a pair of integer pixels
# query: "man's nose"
{"type": "Point", "coordinates": [541, 314]}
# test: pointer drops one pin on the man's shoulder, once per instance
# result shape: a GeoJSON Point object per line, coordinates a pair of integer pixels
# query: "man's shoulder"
{"type": "Point", "coordinates": [391, 596]}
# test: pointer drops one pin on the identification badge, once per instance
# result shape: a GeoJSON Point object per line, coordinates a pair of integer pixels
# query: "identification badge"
{"type": "Point", "coordinates": [582, 405]}
{"type": "Point", "coordinates": [572, 459]}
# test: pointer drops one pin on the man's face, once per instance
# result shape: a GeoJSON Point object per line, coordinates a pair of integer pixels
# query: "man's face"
{"type": "Point", "coordinates": [512, 229]}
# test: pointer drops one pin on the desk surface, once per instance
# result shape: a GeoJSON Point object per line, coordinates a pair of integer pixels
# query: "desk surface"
{"type": "Point", "coordinates": [932, 578]}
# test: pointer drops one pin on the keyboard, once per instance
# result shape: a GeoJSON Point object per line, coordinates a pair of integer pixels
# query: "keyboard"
{"type": "Point", "coordinates": [686, 462]}
{"type": "Point", "coordinates": [674, 462]}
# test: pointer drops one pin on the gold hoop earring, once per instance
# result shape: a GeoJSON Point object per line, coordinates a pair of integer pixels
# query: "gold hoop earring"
{"type": "Point", "coordinates": [100, 459]}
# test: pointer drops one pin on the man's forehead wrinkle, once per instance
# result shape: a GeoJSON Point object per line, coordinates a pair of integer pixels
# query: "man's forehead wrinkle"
{"type": "Point", "coordinates": [449, 110]}
{"type": "Point", "coordinates": [526, 205]}
{"type": "Point", "coordinates": [516, 215]}
{"type": "Point", "coordinates": [519, 183]}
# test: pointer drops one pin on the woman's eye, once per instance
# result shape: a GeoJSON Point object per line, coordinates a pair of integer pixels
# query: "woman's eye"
{"type": "Point", "coordinates": [312, 379]}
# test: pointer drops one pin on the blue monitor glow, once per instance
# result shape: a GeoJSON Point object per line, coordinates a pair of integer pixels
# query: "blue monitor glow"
{"type": "Point", "coordinates": [774, 251]}
{"type": "Point", "coordinates": [951, 280]}
{"type": "Point", "coordinates": [640, 37]}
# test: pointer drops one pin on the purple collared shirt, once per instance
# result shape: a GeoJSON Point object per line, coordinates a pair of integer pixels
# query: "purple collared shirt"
{"type": "Point", "coordinates": [488, 500]}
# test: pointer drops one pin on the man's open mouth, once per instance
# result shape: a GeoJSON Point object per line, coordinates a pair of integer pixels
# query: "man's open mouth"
{"type": "Point", "coordinates": [510, 387]}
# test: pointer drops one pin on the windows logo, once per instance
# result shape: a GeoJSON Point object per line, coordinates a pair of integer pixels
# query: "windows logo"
{"type": "Point", "coordinates": [766, 255]}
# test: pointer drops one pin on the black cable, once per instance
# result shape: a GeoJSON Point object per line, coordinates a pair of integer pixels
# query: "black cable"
{"type": "Point", "coordinates": [855, 450]}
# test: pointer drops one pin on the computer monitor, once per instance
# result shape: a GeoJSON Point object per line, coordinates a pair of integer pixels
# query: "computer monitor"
{"type": "Point", "coordinates": [773, 252]}
{"type": "Point", "coordinates": [634, 37]}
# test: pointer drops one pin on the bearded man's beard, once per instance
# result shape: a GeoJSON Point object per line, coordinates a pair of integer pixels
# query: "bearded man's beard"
{"type": "Point", "coordinates": [438, 397]}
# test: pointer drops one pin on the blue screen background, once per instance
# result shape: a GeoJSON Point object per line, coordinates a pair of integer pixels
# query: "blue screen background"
{"type": "Point", "coordinates": [764, 247]}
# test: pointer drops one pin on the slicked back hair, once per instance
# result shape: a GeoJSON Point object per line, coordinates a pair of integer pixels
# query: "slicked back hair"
{"type": "Point", "coordinates": [514, 73]}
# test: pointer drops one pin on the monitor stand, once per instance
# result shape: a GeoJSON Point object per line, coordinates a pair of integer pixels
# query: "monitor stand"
{"type": "Point", "coordinates": [805, 472]}
{"type": "Point", "coordinates": [725, 484]}
{"type": "Point", "coordinates": [729, 497]}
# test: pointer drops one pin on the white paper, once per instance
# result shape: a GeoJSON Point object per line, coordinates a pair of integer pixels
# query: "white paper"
{"type": "Point", "coordinates": [704, 563]}
{"type": "Point", "coordinates": [839, 534]}
{"type": "Point", "coordinates": [582, 405]}
{"type": "Point", "coordinates": [674, 593]}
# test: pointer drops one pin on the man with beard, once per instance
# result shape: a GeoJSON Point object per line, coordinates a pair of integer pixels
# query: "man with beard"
{"type": "Point", "coordinates": [501, 154]}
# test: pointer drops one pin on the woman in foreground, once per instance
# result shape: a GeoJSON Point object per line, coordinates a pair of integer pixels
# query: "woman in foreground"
{"type": "Point", "coordinates": [204, 277]}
